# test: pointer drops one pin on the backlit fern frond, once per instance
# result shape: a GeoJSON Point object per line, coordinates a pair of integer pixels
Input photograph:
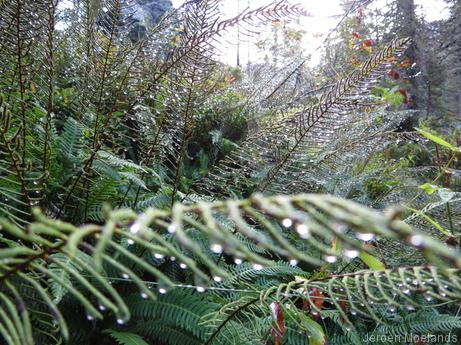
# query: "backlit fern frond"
{"type": "Point", "coordinates": [277, 10]}
{"type": "Point", "coordinates": [189, 82]}
{"type": "Point", "coordinates": [276, 156]}
{"type": "Point", "coordinates": [332, 170]}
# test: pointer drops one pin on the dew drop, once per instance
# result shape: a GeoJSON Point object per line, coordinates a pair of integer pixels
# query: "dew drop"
{"type": "Point", "coordinates": [130, 241]}
{"type": "Point", "coordinates": [417, 240]}
{"type": "Point", "coordinates": [287, 222]}
{"type": "Point", "coordinates": [238, 261]}
{"type": "Point", "coordinates": [331, 259]}
{"type": "Point", "coordinates": [293, 262]}
{"type": "Point", "coordinates": [134, 229]}
{"type": "Point", "coordinates": [217, 279]}
{"type": "Point", "coordinates": [90, 317]}
{"type": "Point", "coordinates": [183, 265]}
{"type": "Point", "coordinates": [303, 231]}
{"type": "Point", "coordinates": [216, 248]}
{"type": "Point", "coordinates": [365, 237]}
{"type": "Point", "coordinates": [171, 228]}
{"type": "Point", "coordinates": [159, 256]}
{"type": "Point", "coordinates": [258, 267]}
{"type": "Point", "coordinates": [351, 253]}
{"type": "Point", "coordinates": [162, 291]}
{"type": "Point", "coordinates": [200, 289]}
{"type": "Point", "coordinates": [120, 321]}
{"type": "Point", "coordinates": [410, 307]}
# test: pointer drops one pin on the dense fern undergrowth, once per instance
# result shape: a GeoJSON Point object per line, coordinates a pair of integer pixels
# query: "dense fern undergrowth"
{"type": "Point", "coordinates": [150, 194]}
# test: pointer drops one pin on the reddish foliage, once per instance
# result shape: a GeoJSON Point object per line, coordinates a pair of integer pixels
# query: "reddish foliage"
{"type": "Point", "coordinates": [356, 35]}
{"type": "Point", "coordinates": [278, 329]}
{"type": "Point", "coordinates": [452, 241]}
{"type": "Point", "coordinates": [407, 62]}
{"type": "Point", "coordinates": [317, 297]}
{"type": "Point", "coordinates": [403, 92]}
{"type": "Point", "coordinates": [368, 43]}
{"type": "Point", "coordinates": [356, 62]}
{"type": "Point", "coordinates": [393, 74]}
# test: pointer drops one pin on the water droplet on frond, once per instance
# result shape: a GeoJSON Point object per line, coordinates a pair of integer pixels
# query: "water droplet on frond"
{"type": "Point", "coordinates": [366, 237]}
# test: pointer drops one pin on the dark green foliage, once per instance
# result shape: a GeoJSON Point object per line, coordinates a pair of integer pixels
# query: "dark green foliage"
{"type": "Point", "coordinates": [129, 157]}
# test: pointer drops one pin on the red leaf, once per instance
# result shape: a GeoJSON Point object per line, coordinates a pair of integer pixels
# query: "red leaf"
{"type": "Point", "coordinates": [407, 62]}
{"type": "Point", "coordinates": [452, 241]}
{"type": "Point", "coordinates": [277, 337]}
{"type": "Point", "coordinates": [278, 319]}
{"type": "Point", "coordinates": [356, 35]}
{"type": "Point", "coordinates": [368, 43]}
{"type": "Point", "coordinates": [393, 74]}
{"type": "Point", "coordinates": [318, 297]}
{"type": "Point", "coordinates": [403, 92]}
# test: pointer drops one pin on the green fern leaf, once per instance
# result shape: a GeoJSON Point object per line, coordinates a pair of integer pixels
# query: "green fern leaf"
{"type": "Point", "coordinates": [126, 338]}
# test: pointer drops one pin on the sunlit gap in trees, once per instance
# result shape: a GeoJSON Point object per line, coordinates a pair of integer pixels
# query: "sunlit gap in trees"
{"type": "Point", "coordinates": [322, 20]}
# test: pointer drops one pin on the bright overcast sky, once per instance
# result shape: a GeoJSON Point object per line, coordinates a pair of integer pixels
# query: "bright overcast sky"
{"type": "Point", "coordinates": [325, 16]}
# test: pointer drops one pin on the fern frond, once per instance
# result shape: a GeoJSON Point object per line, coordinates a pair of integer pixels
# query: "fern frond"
{"type": "Point", "coordinates": [265, 221]}
{"type": "Point", "coordinates": [246, 272]}
{"type": "Point", "coordinates": [172, 310]}
{"type": "Point", "coordinates": [169, 334]}
{"type": "Point", "coordinates": [365, 293]}
{"type": "Point", "coordinates": [381, 296]}
{"type": "Point", "coordinates": [282, 153]}
{"type": "Point", "coordinates": [126, 338]}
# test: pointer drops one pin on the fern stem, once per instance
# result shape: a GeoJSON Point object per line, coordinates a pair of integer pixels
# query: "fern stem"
{"type": "Point", "coordinates": [184, 142]}
{"type": "Point", "coordinates": [105, 71]}
{"type": "Point", "coordinates": [51, 12]}
{"type": "Point", "coordinates": [450, 218]}
{"type": "Point", "coordinates": [22, 88]}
